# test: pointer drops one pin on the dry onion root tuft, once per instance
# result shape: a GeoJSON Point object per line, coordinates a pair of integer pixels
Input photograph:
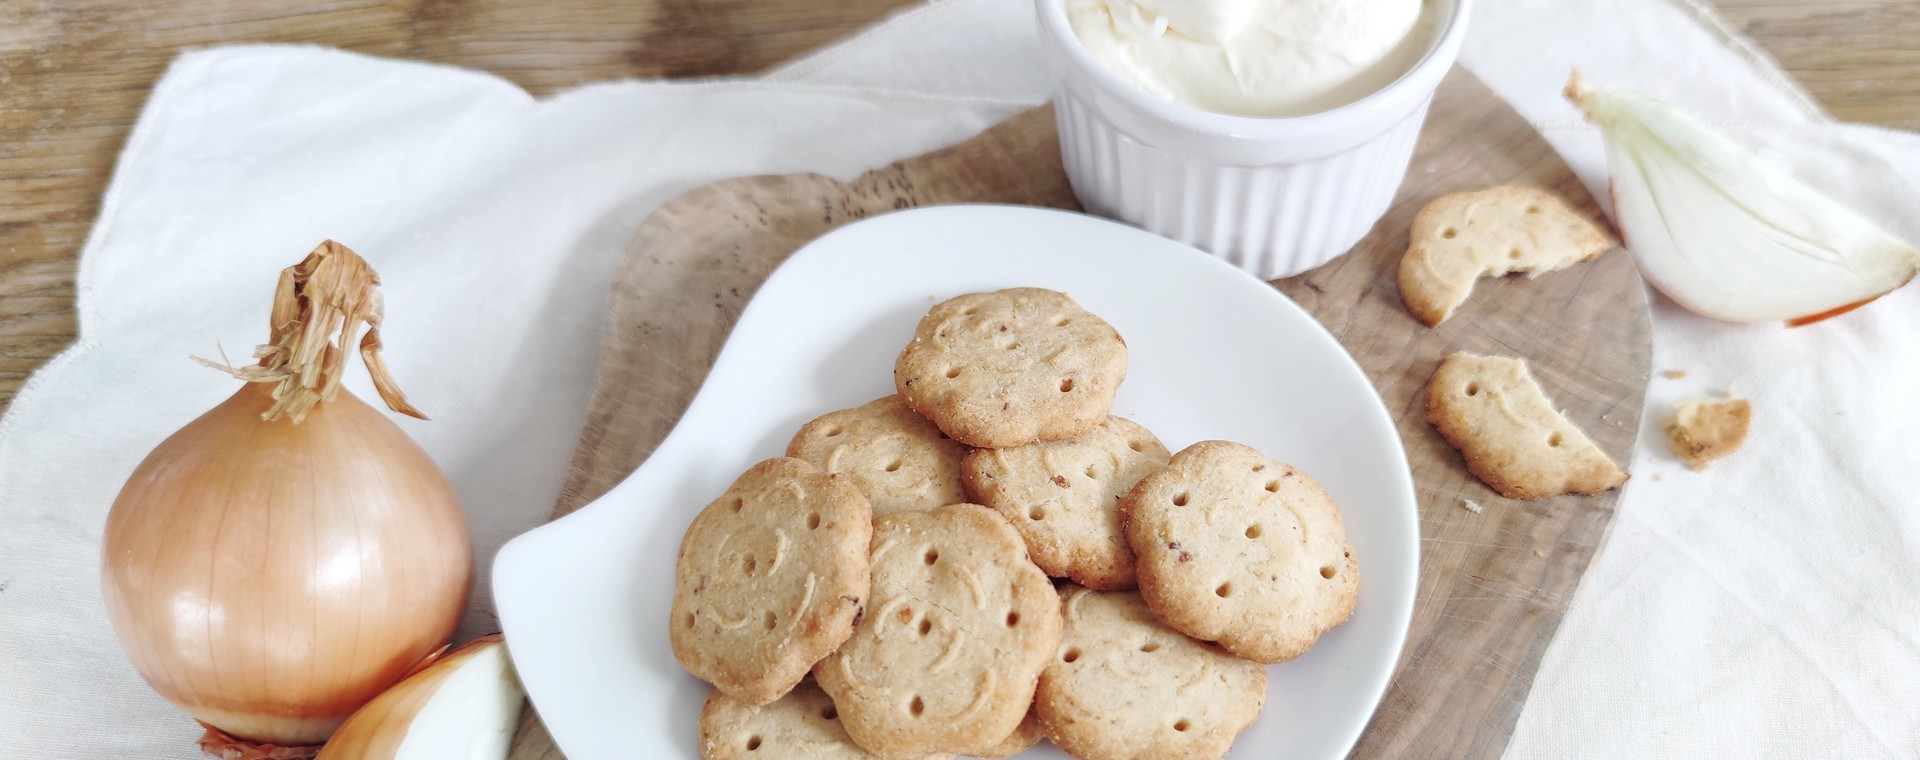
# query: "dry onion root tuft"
{"type": "Point", "coordinates": [332, 290]}
{"type": "Point", "coordinates": [290, 554]}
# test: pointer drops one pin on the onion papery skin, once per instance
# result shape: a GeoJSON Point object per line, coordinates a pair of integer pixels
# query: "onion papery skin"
{"type": "Point", "coordinates": [270, 578]}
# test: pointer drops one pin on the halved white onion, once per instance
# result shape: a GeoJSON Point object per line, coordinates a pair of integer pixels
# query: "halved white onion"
{"type": "Point", "coordinates": [465, 706]}
{"type": "Point", "coordinates": [1726, 234]}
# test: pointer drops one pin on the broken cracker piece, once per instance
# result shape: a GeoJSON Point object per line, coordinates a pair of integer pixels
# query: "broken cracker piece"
{"type": "Point", "coordinates": [1702, 431]}
{"type": "Point", "coordinates": [1462, 237]}
{"type": "Point", "coordinates": [1674, 374]}
{"type": "Point", "coordinates": [1490, 408]}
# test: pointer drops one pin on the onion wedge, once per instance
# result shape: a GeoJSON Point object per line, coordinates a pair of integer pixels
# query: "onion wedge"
{"type": "Point", "coordinates": [1726, 234]}
{"type": "Point", "coordinates": [464, 706]}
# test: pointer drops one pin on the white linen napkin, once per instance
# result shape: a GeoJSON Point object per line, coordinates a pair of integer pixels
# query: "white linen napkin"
{"type": "Point", "coordinates": [1762, 609]}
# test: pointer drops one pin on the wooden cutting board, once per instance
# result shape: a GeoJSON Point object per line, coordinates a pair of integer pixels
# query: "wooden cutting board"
{"type": "Point", "coordinates": [1493, 585]}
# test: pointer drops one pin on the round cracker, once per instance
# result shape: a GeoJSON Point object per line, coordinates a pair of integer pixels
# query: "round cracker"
{"type": "Point", "coordinates": [960, 625]}
{"type": "Point", "coordinates": [802, 725]}
{"type": "Point", "coordinates": [1063, 497]}
{"type": "Point", "coordinates": [897, 458]}
{"type": "Point", "coordinates": [1011, 367]}
{"type": "Point", "coordinates": [1126, 686]}
{"type": "Point", "coordinates": [770, 579]}
{"type": "Point", "coordinates": [1233, 547]}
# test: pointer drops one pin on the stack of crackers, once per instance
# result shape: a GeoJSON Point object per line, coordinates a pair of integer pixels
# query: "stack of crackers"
{"type": "Point", "coordinates": [989, 557]}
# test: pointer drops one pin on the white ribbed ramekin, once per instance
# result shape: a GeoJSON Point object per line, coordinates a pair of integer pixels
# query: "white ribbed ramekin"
{"type": "Point", "coordinates": [1275, 197]}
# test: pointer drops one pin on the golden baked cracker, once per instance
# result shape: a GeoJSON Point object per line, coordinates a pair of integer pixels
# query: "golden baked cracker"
{"type": "Point", "coordinates": [1702, 431]}
{"type": "Point", "coordinates": [1490, 408]}
{"type": "Point", "coordinates": [802, 725]}
{"type": "Point", "coordinates": [1462, 237]}
{"type": "Point", "coordinates": [770, 579]}
{"type": "Point", "coordinates": [1063, 497]}
{"type": "Point", "coordinates": [1011, 367]}
{"type": "Point", "coordinates": [896, 457]}
{"type": "Point", "coordinates": [1233, 547]}
{"type": "Point", "coordinates": [956, 633]}
{"type": "Point", "coordinates": [1126, 686]}
{"type": "Point", "coordinates": [1022, 739]}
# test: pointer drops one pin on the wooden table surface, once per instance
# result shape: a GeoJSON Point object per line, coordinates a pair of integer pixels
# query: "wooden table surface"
{"type": "Point", "coordinates": [74, 73]}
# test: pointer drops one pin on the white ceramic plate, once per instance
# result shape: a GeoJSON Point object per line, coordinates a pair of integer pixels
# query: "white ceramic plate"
{"type": "Point", "coordinates": [1213, 353]}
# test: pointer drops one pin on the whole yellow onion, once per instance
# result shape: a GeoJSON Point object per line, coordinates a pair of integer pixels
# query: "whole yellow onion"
{"type": "Point", "coordinates": [291, 553]}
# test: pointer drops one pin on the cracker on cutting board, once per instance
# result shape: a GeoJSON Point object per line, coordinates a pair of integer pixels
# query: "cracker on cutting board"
{"type": "Point", "coordinates": [1490, 408]}
{"type": "Point", "coordinates": [1063, 497]}
{"type": "Point", "coordinates": [803, 725]}
{"type": "Point", "coordinates": [1233, 547]}
{"type": "Point", "coordinates": [1462, 237]}
{"type": "Point", "coordinates": [1012, 367]}
{"type": "Point", "coordinates": [1124, 685]}
{"type": "Point", "coordinates": [896, 457]}
{"type": "Point", "coordinates": [770, 578]}
{"type": "Point", "coordinates": [958, 629]}
{"type": "Point", "coordinates": [1702, 431]}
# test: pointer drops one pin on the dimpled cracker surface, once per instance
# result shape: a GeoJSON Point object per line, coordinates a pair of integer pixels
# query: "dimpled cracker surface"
{"type": "Point", "coordinates": [1063, 497]}
{"type": "Point", "coordinates": [803, 725]}
{"type": "Point", "coordinates": [1011, 367]}
{"type": "Point", "coordinates": [1126, 687]}
{"type": "Point", "coordinates": [1236, 548]}
{"type": "Point", "coordinates": [1490, 409]}
{"type": "Point", "coordinates": [956, 633]}
{"type": "Point", "coordinates": [770, 579]}
{"type": "Point", "coordinates": [898, 458]}
{"type": "Point", "coordinates": [1460, 238]}
{"type": "Point", "coordinates": [1022, 739]}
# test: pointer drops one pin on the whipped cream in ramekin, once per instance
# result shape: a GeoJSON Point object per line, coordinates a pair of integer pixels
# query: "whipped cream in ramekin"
{"type": "Point", "coordinates": [1265, 58]}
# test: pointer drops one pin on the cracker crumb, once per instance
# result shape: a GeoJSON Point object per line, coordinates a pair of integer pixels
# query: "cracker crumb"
{"type": "Point", "coordinates": [1472, 506]}
{"type": "Point", "coordinates": [1656, 477]}
{"type": "Point", "coordinates": [1674, 374]}
{"type": "Point", "coordinates": [1702, 431]}
{"type": "Point", "coordinates": [1538, 553]}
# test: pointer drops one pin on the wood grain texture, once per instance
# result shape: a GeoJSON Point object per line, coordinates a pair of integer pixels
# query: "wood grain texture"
{"type": "Point", "coordinates": [1859, 58]}
{"type": "Point", "coordinates": [1493, 585]}
{"type": "Point", "coordinates": [74, 73]}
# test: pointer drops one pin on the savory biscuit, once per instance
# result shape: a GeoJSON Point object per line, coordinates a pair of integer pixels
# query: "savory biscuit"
{"type": "Point", "coordinates": [1022, 739]}
{"type": "Point", "coordinates": [1063, 497]}
{"type": "Point", "coordinates": [802, 725]}
{"type": "Point", "coordinates": [1126, 686]}
{"type": "Point", "coordinates": [1490, 408]}
{"type": "Point", "coordinates": [898, 458]}
{"type": "Point", "coordinates": [1702, 431]}
{"type": "Point", "coordinates": [1011, 367]}
{"type": "Point", "coordinates": [1233, 547]}
{"type": "Point", "coordinates": [959, 626]}
{"type": "Point", "coordinates": [770, 579]}
{"type": "Point", "coordinates": [1462, 237]}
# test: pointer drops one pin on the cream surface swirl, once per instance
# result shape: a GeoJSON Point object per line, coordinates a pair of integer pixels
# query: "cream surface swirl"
{"type": "Point", "coordinates": [1268, 58]}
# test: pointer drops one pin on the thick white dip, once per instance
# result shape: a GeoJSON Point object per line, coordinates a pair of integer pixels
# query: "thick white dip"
{"type": "Point", "coordinates": [1265, 58]}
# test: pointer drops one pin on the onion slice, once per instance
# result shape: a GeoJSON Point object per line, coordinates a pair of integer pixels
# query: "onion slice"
{"type": "Point", "coordinates": [464, 706]}
{"type": "Point", "coordinates": [1726, 234]}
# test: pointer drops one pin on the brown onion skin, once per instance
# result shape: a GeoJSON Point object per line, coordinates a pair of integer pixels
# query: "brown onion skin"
{"type": "Point", "coordinates": [270, 578]}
